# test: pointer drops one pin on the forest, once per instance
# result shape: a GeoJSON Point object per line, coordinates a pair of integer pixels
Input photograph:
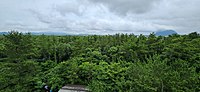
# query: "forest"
{"type": "Point", "coordinates": [104, 63]}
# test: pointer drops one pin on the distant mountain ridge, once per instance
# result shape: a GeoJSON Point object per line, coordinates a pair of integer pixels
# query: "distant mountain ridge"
{"type": "Point", "coordinates": [48, 33]}
{"type": "Point", "coordinates": [41, 33]}
{"type": "Point", "coordinates": [3, 33]}
{"type": "Point", "coordinates": [158, 33]}
{"type": "Point", "coordinates": [165, 32]}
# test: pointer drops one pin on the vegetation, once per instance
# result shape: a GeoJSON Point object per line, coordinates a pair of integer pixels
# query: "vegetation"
{"type": "Point", "coordinates": [106, 63]}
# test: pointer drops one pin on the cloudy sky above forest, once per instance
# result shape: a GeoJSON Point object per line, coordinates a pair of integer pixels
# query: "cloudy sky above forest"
{"type": "Point", "coordinates": [100, 16]}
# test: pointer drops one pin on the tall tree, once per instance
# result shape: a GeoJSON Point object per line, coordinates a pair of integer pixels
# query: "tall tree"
{"type": "Point", "coordinates": [18, 47]}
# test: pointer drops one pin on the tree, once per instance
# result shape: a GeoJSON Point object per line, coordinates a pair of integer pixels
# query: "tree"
{"type": "Point", "coordinates": [18, 77]}
{"type": "Point", "coordinates": [18, 47]}
{"type": "Point", "coordinates": [157, 75]}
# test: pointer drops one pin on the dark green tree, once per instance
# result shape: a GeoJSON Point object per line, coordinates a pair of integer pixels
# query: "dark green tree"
{"type": "Point", "coordinates": [18, 47]}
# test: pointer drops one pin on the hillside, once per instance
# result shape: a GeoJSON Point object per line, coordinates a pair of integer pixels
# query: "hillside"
{"type": "Point", "coordinates": [165, 32]}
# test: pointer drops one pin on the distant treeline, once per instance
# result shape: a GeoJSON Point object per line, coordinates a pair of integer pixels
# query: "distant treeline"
{"type": "Point", "coordinates": [104, 63]}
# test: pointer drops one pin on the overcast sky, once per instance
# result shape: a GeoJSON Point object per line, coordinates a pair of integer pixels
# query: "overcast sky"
{"type": "Point", "coordinates": [100, 16]}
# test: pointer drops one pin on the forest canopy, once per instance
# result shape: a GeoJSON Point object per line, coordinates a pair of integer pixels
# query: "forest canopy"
{"type": "Point", "coordinates": [104, 63]}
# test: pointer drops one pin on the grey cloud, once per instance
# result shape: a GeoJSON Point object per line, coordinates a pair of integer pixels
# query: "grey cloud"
{"type": "Point", "coordinates": [85, 17]}
{"type": "Point", "coordinates": [183, 15]}
{"type": "Point", "coordinates": [101, 16]}
{"type": "Point", "coordinates": [40, 17]}
{"type": "Point", "coordinates": [128, 6]}
{"type": "Point", "coordinates": [70, 7]}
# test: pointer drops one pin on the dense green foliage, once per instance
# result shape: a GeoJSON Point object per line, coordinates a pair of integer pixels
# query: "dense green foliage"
{"type": "Point", "coordinates": [105, 63]}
